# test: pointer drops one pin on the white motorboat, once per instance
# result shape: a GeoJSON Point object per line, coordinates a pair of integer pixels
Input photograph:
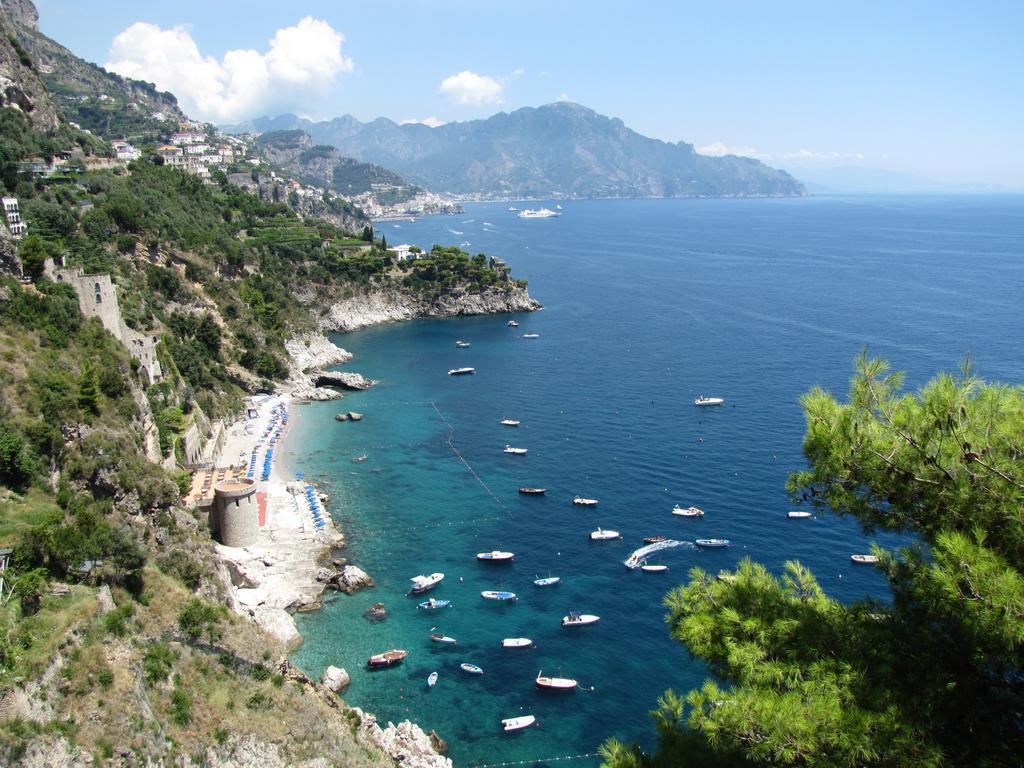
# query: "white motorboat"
{"type": "Point", "coordinates": [708, 400]}
{"type": "Point", "coordinates": [432, 604]}
{"type": "Point", "coordinates": [515, 451]}
{"type": "Point", "coordinates": [555, 683]}
{"type": "Point", "coordinates": [472, 669]}
{"type": "Point", "coordinates": [654, 568]}
{"type": "Point", "coordinates": [431, 679]}
{"type": "Point", "coordinates": [531, 335]}
{"type": "Point", "coordinates": [602, 535]}
{"type": "Point", "coordinates": [516, 642]}
{"type": "Point", "coordinates": [461, 371]}
{"type": "Point", "coordinates": [798, 515]}
{"type": "Point", "coordinates": [687, 511]}
{"type": "Point", "coordinates": [461, 344]}
{"type": "Point", "coordinates": [510, 422]}
{"type": "Point", "coordinates": [497, 556]}
{"type": "Point", "coordinates": [712, 543]}
{"type": "Point", "coordinates": [443, 639]}
{"type": "Point", "coordinates": [864, 559]}
{"type": "Point", "coordinates": [512, 208]}
{"type": "Point", "coordinates": [421, 584]}
{"type": "Point", "coordinates": [538, 213]}
{"type": "Point", "coordinates": [500, 595]}
{"type": "Point", "coordinates": [517, 723]}
{"type": "Point", "coordinates": [547, 581]}
{"type": "Point", "coordinates": [577, 619]}
{"type": "Point", "coordinates": [584, 502]}
{"type": "Point", "coordinates": [513, 324]}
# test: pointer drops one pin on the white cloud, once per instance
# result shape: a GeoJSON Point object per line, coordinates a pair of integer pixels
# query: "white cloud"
{"type": "Point", "coordinates": [432, 121]}
{"type": "Point", "coordinates": [302, 60]}
{"type": "Point", "coordinates": [719, 149]}
{"type": "Point", "coordinates": [564, 97]}
{"type": "Point", "coordinates": [518, 72]}
{"type": "Point", "coordinates": [811, 157]}
{"type": "Point", "coordinates": [470, 88]}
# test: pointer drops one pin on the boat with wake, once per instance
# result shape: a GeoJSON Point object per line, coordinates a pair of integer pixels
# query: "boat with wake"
{"type": "Point", "coordinates": [712, 543]}
{"type": "Point", "coordinates": [555, 683]}
{"type": "Point", "coordinates": [386, 659]}
{"type": "Point", "coordinates": [461, 371]}
{"type": "Point", "coordinates": [577, 619]}
{"type": "Point", "coordinates": [497, 556]}
{"type": "Point", "coordinates": [421, 584]}
{"type": "Point", "coordinates": [518, 723]}
{"type": "Point", "coordinates": [639, 557]}
{"type": "Point", "coordinates": [538, 213]}
{"type": "Point", "coordinates": [708, 400]}
{"type": "Point", "coordinates": [687, 511]}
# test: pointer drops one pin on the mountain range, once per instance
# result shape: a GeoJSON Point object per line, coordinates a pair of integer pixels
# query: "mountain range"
{"type": "Point", "coordinates": [556, 150]}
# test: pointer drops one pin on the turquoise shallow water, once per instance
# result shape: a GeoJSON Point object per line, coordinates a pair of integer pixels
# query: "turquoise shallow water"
{"type": "Point", "coordinates": [648, 304]}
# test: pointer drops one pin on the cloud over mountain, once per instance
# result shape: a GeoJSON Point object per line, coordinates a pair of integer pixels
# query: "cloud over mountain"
{"type": "Point", "coordinates": [470, 88]}
{"type": "Point", "coordinates": [302, 61]}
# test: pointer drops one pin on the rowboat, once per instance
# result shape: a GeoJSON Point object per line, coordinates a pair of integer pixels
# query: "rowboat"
{"type": "Point", "coordinates": [577, 619]}
{"type": "Point", "coordinates": [555, 683]}
{"type": "Point", "coordinates": [584, 502]}
{"type": "Point", "coordinates": [421, 584]}
{"type": "Point", "coordinates": [472, 669]}
{"type": "Point", "coordinates": [516, 642]}
{"type": "Point", "coordinates": [532, 491]}
{"type": "Point", "coordinates": [515, 723]}
{"type": "Point", "coordinates": [386, 659]}
{"type": "Point", "coordinates": [653, 539]}
{"type": "Point", "coordinates": [433, 605]}
{"type": "Point", "coordinates": [687, 512]}
{"type": "Point", "coordinates": [491, 594]}
{"type": "Point", "coordinates": [798, 515]}
{"type": "Point", "coordinates": [547, 581]}
{"type": "Point", "coordinates": [431, 679]}
{"type": "Point", "coordinates": [495, 557]}
{"type": "Point", "coordinates": [515, 451]}
{"type": "Point", "coordinates": [510, 422]}
{"type": "Point", "coordinates": [708, 401]}
{"type": "Point", "coordinates": [443, 639]}
{"type": "Point", "coordinates": [864, 559]}
{"type": "Point", "coordinates": [602, 535]}
{"type": "Point", "coordinates": [461, 371]}
{"type": "Point", "coordinates": [712, 543]}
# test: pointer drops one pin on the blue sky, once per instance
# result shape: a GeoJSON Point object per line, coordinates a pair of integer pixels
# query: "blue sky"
{"type": "Point", "coordinates": [930, 88]}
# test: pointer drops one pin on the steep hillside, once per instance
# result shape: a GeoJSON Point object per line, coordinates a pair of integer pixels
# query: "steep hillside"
{"type": "Point", "coordinates": [559, 149]}
{"type": "Point", "coordinates": [20, 86]}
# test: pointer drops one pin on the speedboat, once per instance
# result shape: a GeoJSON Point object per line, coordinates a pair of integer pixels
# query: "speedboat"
{"type": "Point", "coordinates": [584, 502]}
{"type": "Point", "coordinates": [433, 605]}
{"type": "Point", "coordinates": [798, 515]}
{"type": "Point", "coordinates": [510, 422]}
{"type": "Point", "coordinates": [516, 642]}
{"type": "Point", "coordinates": [538, 213]}
{"type": "Point", "coordinates": [708, 400]}
{"type": "Point", "coordinates": [531, 335]}
{"type": "Point", "coordinates": [512, 208]}
{"type": "Point", "coordinates": [513, 324]}
{"type": "Point", "coordinates": [461, 344]}
{"type": "Point", "coordinates": [444, 639]}
{"type": "Point", "coordinates": [555, 683]}
{"type": "Point", "coordinates": [516, 723]}
{"type": "Point", "coordinates": [547, 581]}
{"type": "Point", "coordinates": [461, 371]}
{"type": "Point", "coordinates": [491, 594]}
{"type": "Point", "coordinates": [653, 539]}
{"type": "Point", "coordinates": [515, 451]}
{"type": "Point", "coordinates": [386, 659]}
{"type": "Point", "coordinates": [421, 584]}
{"type": "Point", "coordinates": [495, 557]}
{"type": "Point", "coordinates": [654, 568]}
{"type": "Point", "coordinates": [602, 535]}
{"type": "Point", "coordinates": [532, 491]}
{"type": "Point", "coordinates": [712, 543]}
{"type": "Point", "coordinates": [864, 559]}
{"type": "Point", "coordinates": [472, 669]}
{"type": "Point", "coordinates": [687, 512]}
{"type": "Point", "coordinates": [577, 619]}
{"type": "Point", "coordinates": [431, 679]}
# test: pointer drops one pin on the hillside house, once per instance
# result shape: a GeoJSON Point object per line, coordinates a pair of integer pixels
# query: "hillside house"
{"type": "Point", "coordinates": [13, 216]}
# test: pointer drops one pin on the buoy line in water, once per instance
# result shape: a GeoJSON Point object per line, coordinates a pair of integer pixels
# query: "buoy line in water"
{"type": "Point", "coordinates": [451, 445]}
{"type": "Point", "coordinates": [539, 760]}
{"type": "Point", "coordinates": [442, 524]}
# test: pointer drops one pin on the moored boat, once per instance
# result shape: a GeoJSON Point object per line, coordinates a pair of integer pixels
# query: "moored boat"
{"type": "Point", "coordinates": [547, 581]}
{"type": "Point", "coordinates": [513, 324]}
{"type": "Point", "coordinates": [712, 543]}
{"type": "Point", "coordinates": [555, 683]}
{"type": "Point", "coordinates": [581, 501]}
{"type": "Point", "coordinates": [654, 568]}
{"type": "Point", "coordinates": [510, 422]}
{"type": "Point", "coordinates": [386, 659]}
{"type": "Point", "coordinates": [602, 535]}
{"type": "Point", "coordinates": [421, 584]}
{"type": "Point", "coordinates": [653, 539]}
{"type": "Point", "coordinates": [501, 595]}
{"type": "Point", "coordinates": [864, 559]}
{"type": "Point", "coordinates": [577, 619]}
{"type": "Point", "coordinates": [708, 400]}
{"type": "Point", "coordinates": [461, 371]}
{"type": "Point", "coordinates": [443, 639]}
{"type": "Point", "coordinates": [515, 451]}
{"type": "Point", "coordinates": [432, 604]}
{"type": "Point", "coordinates": [472, 669]}
{"type": "Point", "coordinates": [687, 511]}
{"type": "Point", "coordinates": [516, 642]}
{"type": "Point", "coordinates": [431, 679]}
{"type": "Point", "coordinates": [517, 723]}
{"type": "Point", "coordinates": [538, 213]}
{"type": "Point", "coordinates": [496, 556]}
{"type": "Point", "coordinates": [531, 335]}
{"type": "Point", "coordinates": [526, 490]}
{"type": "Point", "coordinates": [461, 344]}
{"type": "Point", "coordinates": [360, 459]}
{"type": "Point", "coordinates": [798, 515]}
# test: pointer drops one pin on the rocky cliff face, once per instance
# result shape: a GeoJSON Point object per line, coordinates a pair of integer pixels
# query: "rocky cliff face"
{"type": "Point", "coordinates": [20, 86]}
{"type": "Point", "coordinates": [390, 304]}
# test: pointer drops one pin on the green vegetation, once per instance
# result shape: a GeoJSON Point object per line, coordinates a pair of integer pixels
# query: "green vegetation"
{"type": "Point", "coordinates": [932, 678]}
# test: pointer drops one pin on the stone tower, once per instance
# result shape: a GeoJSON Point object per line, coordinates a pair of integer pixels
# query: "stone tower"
{"type": "Point", "coordinates": [236, 515]}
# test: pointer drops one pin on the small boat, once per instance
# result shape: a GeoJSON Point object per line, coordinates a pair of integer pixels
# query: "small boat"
{"type": "Point", "coordinates": [386, 659]}
{"type": "Point", "coordinates": [531, 335]}
{"type": "Point", "coordinates": [687, 512]}
{"type": "Point", "coordinates": [584, 502]}
{"type": "Point", "coordinates": [539, 213]}
{"type": "Point", "coordinates": [491, 594]}
{"type": "Point", "coordinates": [513, 324]}
{"type": "Point", "coordinates": [515, 451]}
{"type": "Point", "coordinates": [654, 568]}
{"type": "Point", "coordinates": [512, 208]}
{"type": "Point", "coordinates": [510, 422]}
{"type": "Point", "coordinates": [708, 400]}
{"type": "Point", "coordinates": [547, 581]}
{"type": "Point", "coordinates": [864, 559]}
{"type": "Point", "coordinates": [516, 642]}
{"type": "Point", "coordinates": [444, 639]}
{"type": "Point", "coordinates": [516, 723]}
{"type": "Point", "coordinates": [461, 344]}
{"type": "Point", "coordinates": [360, 459]}
{"type": "Point", "coordinates": [433, 605]}
{"type": "Point", "coordinates": [495, 557]}
{"type": "Point", "coordinates": [555, 683]}
{"type": "Point", "coordinates": [533, 491]}
{"type": "Point", "coordinates": [577, 619]}
{"type": "Point", "coordinates": [602, 535]}
{"type": "Point", "coordinates": [461, 371]}
{"type": "Point", "coordinates": [712, 543]}
{"type": "Point", "coordinates": [472, 669]}
{"type": "Point", "coordinates": [798, 515]}
{"type": "Point", "coordinates": [431, 679]}
{"type": "Point", "coordinates": [653, 539]}
{"type": "Point", "coordinates": [421, 584]}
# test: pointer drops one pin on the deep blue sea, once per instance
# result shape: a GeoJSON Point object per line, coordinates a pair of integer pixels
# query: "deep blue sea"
{"type": "Point", "coordinates": [648, 304]}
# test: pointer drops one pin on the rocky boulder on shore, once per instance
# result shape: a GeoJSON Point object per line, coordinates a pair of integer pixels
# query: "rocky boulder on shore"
{"type": "Point", "coordinates": [335, 678]}
{"type": "Point", "coordinates": [405, 743]}
{"type": "Point", "coordinates": [352, 579]}
{"type": "Point", "coordinates": [341, 379]}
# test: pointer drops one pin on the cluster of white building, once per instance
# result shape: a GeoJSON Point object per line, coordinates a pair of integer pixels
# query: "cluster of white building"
{"type": "Point", "coordinates": [13, 217]}
{"type": "Point", "coordinates": [191, 151]}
